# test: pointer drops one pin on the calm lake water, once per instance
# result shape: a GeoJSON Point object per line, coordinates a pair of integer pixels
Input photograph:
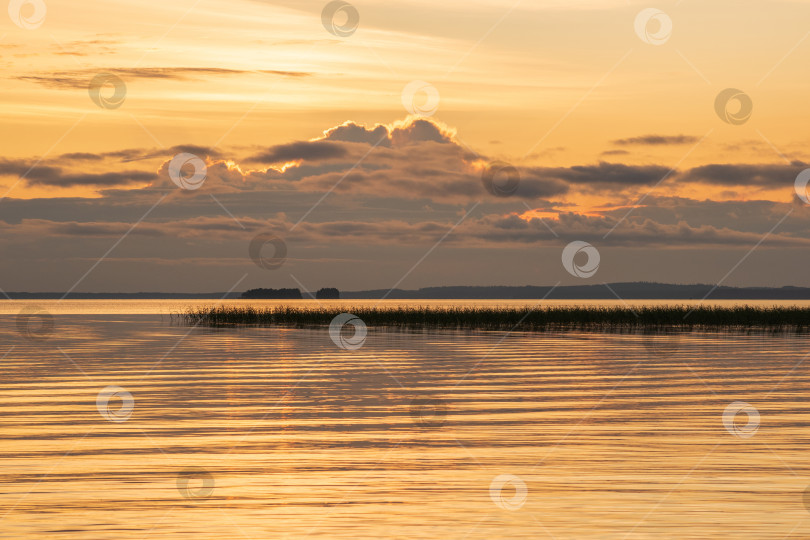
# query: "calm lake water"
{"type": "Point", "coordinates": [116, 424]}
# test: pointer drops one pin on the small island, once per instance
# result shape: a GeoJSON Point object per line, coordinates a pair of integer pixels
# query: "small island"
{"type": "Point", "coordinates": [272, 294]}
{"type": "Point", "coordinates": [289, 294]}
{"type": "Point", "coordinates": [328, 294]}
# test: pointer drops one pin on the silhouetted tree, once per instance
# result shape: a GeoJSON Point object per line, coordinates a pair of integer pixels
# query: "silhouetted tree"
{"type": "Point", "coordinates": [274, 294]}
{"type": "Point", "coordinates": [328, 294]}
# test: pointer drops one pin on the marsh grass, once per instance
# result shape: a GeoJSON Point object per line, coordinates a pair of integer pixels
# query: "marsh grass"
{"type": "Point", "coordinates": [685, 317]}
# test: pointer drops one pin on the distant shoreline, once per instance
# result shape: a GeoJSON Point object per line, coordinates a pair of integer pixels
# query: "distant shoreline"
{"type": "Point", "coordinates": [611, 291]}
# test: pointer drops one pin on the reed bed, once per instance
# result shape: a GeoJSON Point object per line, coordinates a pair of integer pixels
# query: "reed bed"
{"type": "Point", "coordinates": [515, 318]}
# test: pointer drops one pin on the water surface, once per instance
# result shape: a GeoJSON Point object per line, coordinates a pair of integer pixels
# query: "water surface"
{"type": "Point", "coordinates": [278, 433]}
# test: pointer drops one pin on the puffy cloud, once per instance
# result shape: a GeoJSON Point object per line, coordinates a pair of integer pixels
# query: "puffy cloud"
{"type": "Point", "coordinates": [351, 132]}
{"type": "Point", "coordinates": [416, 168]}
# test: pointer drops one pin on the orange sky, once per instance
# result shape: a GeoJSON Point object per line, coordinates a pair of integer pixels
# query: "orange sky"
{"type": "Point", "coordinates": [547, 86]}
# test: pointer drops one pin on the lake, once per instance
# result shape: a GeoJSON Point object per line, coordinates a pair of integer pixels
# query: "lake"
{"type": "Point", "coordinates": [117, 423]}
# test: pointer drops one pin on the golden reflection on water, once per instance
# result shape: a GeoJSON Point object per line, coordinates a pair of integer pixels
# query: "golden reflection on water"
{"type": "Point", "coordinates": [277, 433]}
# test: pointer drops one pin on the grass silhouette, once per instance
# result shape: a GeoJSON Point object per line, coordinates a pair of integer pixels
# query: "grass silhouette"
{"type": "Point", "coordinates": [518, 318]}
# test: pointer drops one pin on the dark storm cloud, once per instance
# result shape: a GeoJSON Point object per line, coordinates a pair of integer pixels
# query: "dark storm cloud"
{"type": "Point", "coordinates": [657, 140]}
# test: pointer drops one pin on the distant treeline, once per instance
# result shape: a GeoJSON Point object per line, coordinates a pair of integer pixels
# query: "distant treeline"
{"type": "Point", "coordinates": [626, 291]}
{"type": "Point", "coordinates": [119, 296]}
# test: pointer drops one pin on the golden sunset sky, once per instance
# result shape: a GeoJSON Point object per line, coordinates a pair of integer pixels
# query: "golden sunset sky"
{"type": "Point", "coordinates": [599, 115]}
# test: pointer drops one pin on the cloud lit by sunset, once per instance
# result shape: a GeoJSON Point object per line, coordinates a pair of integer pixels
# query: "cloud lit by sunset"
{"type": "Point", "coordinates": [609, 121]}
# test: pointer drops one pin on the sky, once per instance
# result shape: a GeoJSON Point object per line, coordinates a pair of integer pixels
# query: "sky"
{"type": "Point", "coordinates": [205, 145]}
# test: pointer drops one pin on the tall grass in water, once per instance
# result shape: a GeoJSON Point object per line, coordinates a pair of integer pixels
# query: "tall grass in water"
{"type": "Point", "coordinates": [518, 318]}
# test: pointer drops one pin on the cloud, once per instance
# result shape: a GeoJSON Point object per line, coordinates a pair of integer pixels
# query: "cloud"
{"type": "Point", "coordinates": [80, 79]}
{"type": "Point", "coordinates": [657, 140]}
{"type": "Point", "coordinates": [417, 171]}
{"type": "Point", "coordinates": [485, 231]}
{"type": "Point", "coordinates": [746, 174]}
{"type": "Point", "coordinates": [36, 174]}
{"type": "Point", "coordinates": [302, 150]}
{"type": "Point", "coordinates": [351, 132]}
{"type": "Point", "coordinates": [140, 154]}
{"type": "Point", "coordinates": [88, 47]}
{"type": "Point", "coordinates": [606, 174]}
